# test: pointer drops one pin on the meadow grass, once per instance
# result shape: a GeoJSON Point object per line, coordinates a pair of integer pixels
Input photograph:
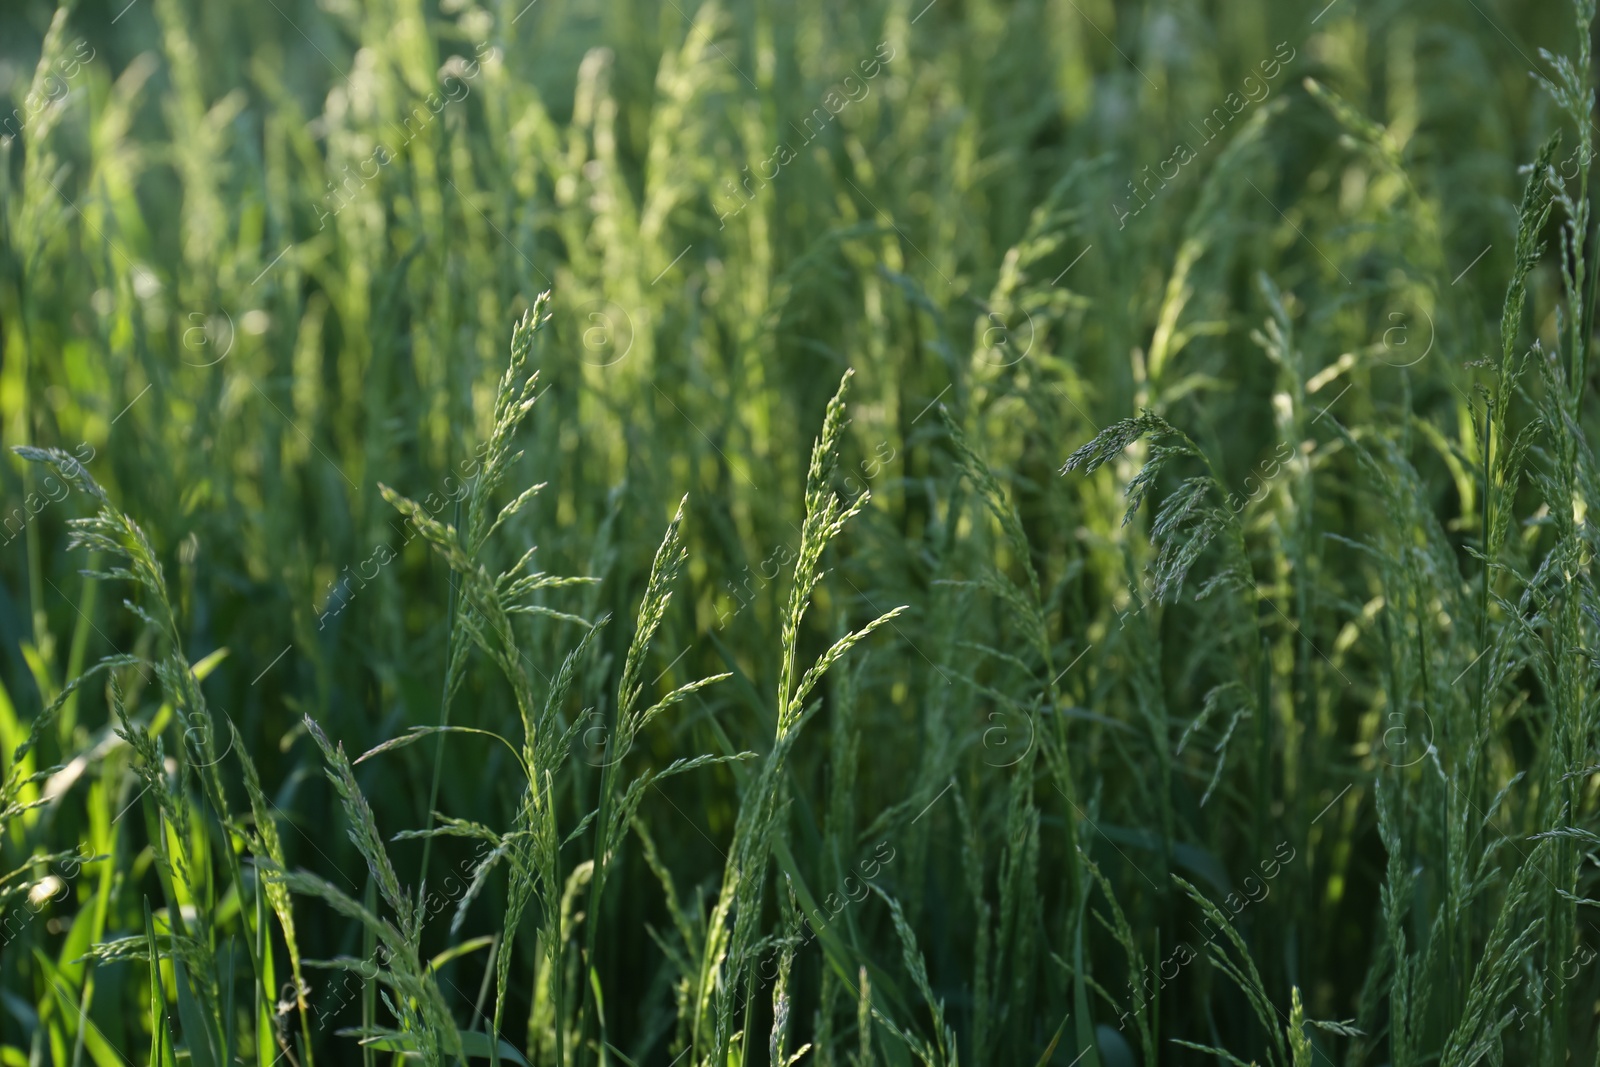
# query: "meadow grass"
{"type": "Point", "coordinates": [1049, 532]}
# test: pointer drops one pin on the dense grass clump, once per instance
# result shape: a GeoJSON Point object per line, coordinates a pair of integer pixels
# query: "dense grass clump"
{"type": "Point", "coordinates": [873, 533]}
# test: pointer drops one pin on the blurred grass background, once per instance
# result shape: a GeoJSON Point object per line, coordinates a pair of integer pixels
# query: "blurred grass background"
{"type": "Point", "coordinates": [259, 259]}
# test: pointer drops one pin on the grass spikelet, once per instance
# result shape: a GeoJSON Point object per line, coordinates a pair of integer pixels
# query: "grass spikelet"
{"type": "Point", "coordinates": [743, 879]}
{"type": "Point", "coordinates": [1216, 447]}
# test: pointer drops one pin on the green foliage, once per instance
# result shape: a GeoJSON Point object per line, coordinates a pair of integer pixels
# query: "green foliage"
{"type": "Point", "coordinates": [1210, 679]}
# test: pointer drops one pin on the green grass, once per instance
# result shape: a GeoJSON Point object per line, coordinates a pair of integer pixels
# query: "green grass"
{"type": "Point", "coordinates": [861, 533]}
